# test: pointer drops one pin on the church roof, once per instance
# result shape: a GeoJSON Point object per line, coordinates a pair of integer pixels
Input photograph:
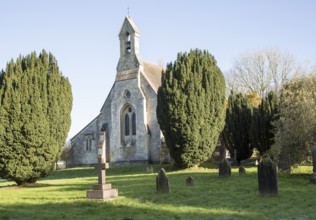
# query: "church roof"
{"type": "Point", "coordinates": [153, 75]}
{"type": "Point", "coordinates": [132, 24]}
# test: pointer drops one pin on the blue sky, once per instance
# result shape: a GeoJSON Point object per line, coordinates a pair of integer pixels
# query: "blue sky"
{"type": "Point", "coordinates": [83, 36]}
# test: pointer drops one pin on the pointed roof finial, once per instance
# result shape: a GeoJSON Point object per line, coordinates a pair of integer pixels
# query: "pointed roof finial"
{"type": "Point", "coordinates": [128, 11]}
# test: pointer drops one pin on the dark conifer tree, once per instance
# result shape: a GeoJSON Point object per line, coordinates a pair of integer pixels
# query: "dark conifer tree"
{"type": "Point", "coordinates": [31, 136]}
{"type": "Point", "coordinates": [191, 109]}
{"type": "Point", "coordinates": [237, 126]}
{"type": "Point", "coordinates": [262, 129]}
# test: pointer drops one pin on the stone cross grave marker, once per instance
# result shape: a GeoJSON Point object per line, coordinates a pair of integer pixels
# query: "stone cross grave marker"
{"type": "Point", "coordinates": [102, 191]}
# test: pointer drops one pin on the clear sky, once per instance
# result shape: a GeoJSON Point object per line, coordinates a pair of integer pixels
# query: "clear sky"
{"type": "Point", "coordinates": [83, 36]}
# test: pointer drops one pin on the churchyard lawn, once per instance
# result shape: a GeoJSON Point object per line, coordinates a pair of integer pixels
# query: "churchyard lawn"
{"type": "Point", "coordinates": [62, 196]}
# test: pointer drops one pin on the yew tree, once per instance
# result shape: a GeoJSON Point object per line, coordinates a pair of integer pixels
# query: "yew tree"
{"type": "Point", "coordinates": [191, 107]}
{"type": "Point", "coordinates": [35, 106]}
{"type": "Point", "coordinates": [236, 133]}
{"type": "Point", "coordinates": [262, 125]}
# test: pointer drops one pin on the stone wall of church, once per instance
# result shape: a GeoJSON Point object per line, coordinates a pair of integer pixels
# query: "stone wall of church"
{"type": "Point", "coordinates": [84, 146]}
{"type": "Point", "coordinates": [138, 151]}
{"type": "Point", "coordinates": [105, 120]}
{"type": "Point", "coordinates": [155, 134]}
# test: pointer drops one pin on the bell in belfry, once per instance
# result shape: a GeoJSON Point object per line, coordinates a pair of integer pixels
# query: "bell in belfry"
{"type": "Point", "coordinates": [128, 45]}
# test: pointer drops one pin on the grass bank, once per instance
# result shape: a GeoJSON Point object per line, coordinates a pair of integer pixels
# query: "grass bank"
{"type": "Point", "coordinates": [62, 196]}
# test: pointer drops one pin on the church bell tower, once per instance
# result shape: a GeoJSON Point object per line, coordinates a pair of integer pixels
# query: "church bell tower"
{"type": "Point", "coordinates": [129, 63]}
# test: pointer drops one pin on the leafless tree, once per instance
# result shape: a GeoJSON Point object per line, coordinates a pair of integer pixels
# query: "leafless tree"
{"type": "Point", "coordinates": [262, 71]}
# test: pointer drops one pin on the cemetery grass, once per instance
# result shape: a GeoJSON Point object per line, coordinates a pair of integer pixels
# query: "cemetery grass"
{"type": "Point", "coordinates": [62, 196]}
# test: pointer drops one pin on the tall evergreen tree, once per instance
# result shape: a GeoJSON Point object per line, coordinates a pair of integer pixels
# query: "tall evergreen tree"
{"type": "Point", "coordinates": [237, 126]}
{"type": "Point", "coordinates": [191, 109]}
{"type": "Point", "coordinates": [31, 135]}
{"type": "Point", "coordinates": [262, 129]}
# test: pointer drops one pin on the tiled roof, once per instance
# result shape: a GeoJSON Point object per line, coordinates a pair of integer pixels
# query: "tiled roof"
{"type": "Point", "coordinates": [153, 75]}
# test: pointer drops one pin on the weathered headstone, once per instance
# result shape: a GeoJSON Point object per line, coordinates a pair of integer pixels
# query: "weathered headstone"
{"type": "Point", "coordinates": [314, 158]}
{"type": "Point", "coordinates": [267, 177]}
{"type": "Point", "coordinates": [189, 181]}
{"type": "Point", "coordinates": [162, 182]}
{"type": "Point", "coordinates": [224, 168]}
{"type": "Point", "coordinates": [149, 169]}
{"type": "Point", "coordinates": [312, 178]}
{"type": "Point", "coordinates": [102, 191]}
{"type": "Point", "coordinates": [242, 170]}
{"type": "Point", "coordinates": [235, 156]}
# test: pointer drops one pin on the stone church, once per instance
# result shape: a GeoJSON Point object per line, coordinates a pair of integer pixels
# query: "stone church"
{"type": "Point", "coordinates": [128, 114]}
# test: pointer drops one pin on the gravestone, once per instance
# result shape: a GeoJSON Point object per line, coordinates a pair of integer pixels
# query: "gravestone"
{"type": "Point", "coordinates": [242, 170]}
{"type": "Point", "coordinates": [162, 182]}
{"type": "Point", "coordinates": [312, 178]}
{"type": "Point", "coordinates": [224, 169]}
{"type": "Point", "coordinates": [149, 169]}
{"type": "Point", "coordinates": [189, 181]}
{"type": "Point", "coordinates": [267, 177]}
{"type": "Point", "coordinates": [60, 165]}
{"type": "Point", "coordinates": [235, 157]}
{"type": "Point", "coordinates": [102, 191]}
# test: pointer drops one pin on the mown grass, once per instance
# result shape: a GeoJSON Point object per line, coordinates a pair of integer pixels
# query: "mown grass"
{"type": "Point", "coordinates": [62, 196]}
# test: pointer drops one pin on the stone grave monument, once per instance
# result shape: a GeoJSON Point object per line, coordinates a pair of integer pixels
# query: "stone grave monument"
{"type": "Point", "coordinates": [267, 177]}
{"type": "Point", "coordinates": [149, 169]}
{"type": "Point", "coordinates": [224, 168]}
{"type": "Point", "coordinates": [189, 181]}
{"type": "Point", "coordinates": [242, 170]}
{"type": "Point", "coordinates": [103, 190]}
{"type": "Point", "coordinates": [312, 178]}
{"type": "Point", "coordinates": [162, 182]}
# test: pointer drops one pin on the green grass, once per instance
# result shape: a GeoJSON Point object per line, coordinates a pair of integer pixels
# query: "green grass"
{"type": "Point", "coordinates": [62, 196]}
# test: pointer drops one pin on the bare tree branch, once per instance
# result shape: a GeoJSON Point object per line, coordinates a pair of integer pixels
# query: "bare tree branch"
{"type": "Point", "coordinates": [263, 71]}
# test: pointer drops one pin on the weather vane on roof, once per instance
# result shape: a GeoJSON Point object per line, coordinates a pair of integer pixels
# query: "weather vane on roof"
{"type": "Point", "coordinates": [128, 11]}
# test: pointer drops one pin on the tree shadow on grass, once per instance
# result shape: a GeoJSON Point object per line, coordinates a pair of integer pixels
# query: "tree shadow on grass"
{"type": "Point", "coordinates": [31, 185]}
{"type": "Point", "coordinates": [84, 209]}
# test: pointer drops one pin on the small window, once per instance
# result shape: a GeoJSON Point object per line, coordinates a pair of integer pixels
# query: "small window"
{"type": "Point", "coordinates": [127, 94]}
{"type": "Point", "coordinates": [126, 124]}
{"type": "Point", "coordinates": [128, 43]}
{"type": "Point", "coordinates": [88, 142]}
{"type": "Point", "coordinates": [133, 123]}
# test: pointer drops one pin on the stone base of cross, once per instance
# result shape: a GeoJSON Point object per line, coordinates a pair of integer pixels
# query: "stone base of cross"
{"type": "Point", "coordinates": [102, 190]}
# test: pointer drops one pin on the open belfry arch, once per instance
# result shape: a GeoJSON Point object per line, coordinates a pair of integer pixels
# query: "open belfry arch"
{"type": "Point", "coordinates": [129, 111]}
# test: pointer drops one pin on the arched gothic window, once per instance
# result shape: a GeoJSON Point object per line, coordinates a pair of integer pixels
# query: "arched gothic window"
{"type": "Point", "coordinates": [133, 123]}
{"type": "Point", "coordinates": [128, 125]}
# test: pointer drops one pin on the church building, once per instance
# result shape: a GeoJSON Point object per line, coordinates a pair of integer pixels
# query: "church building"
{"type": "Point", "coordinates": [128, 114]}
